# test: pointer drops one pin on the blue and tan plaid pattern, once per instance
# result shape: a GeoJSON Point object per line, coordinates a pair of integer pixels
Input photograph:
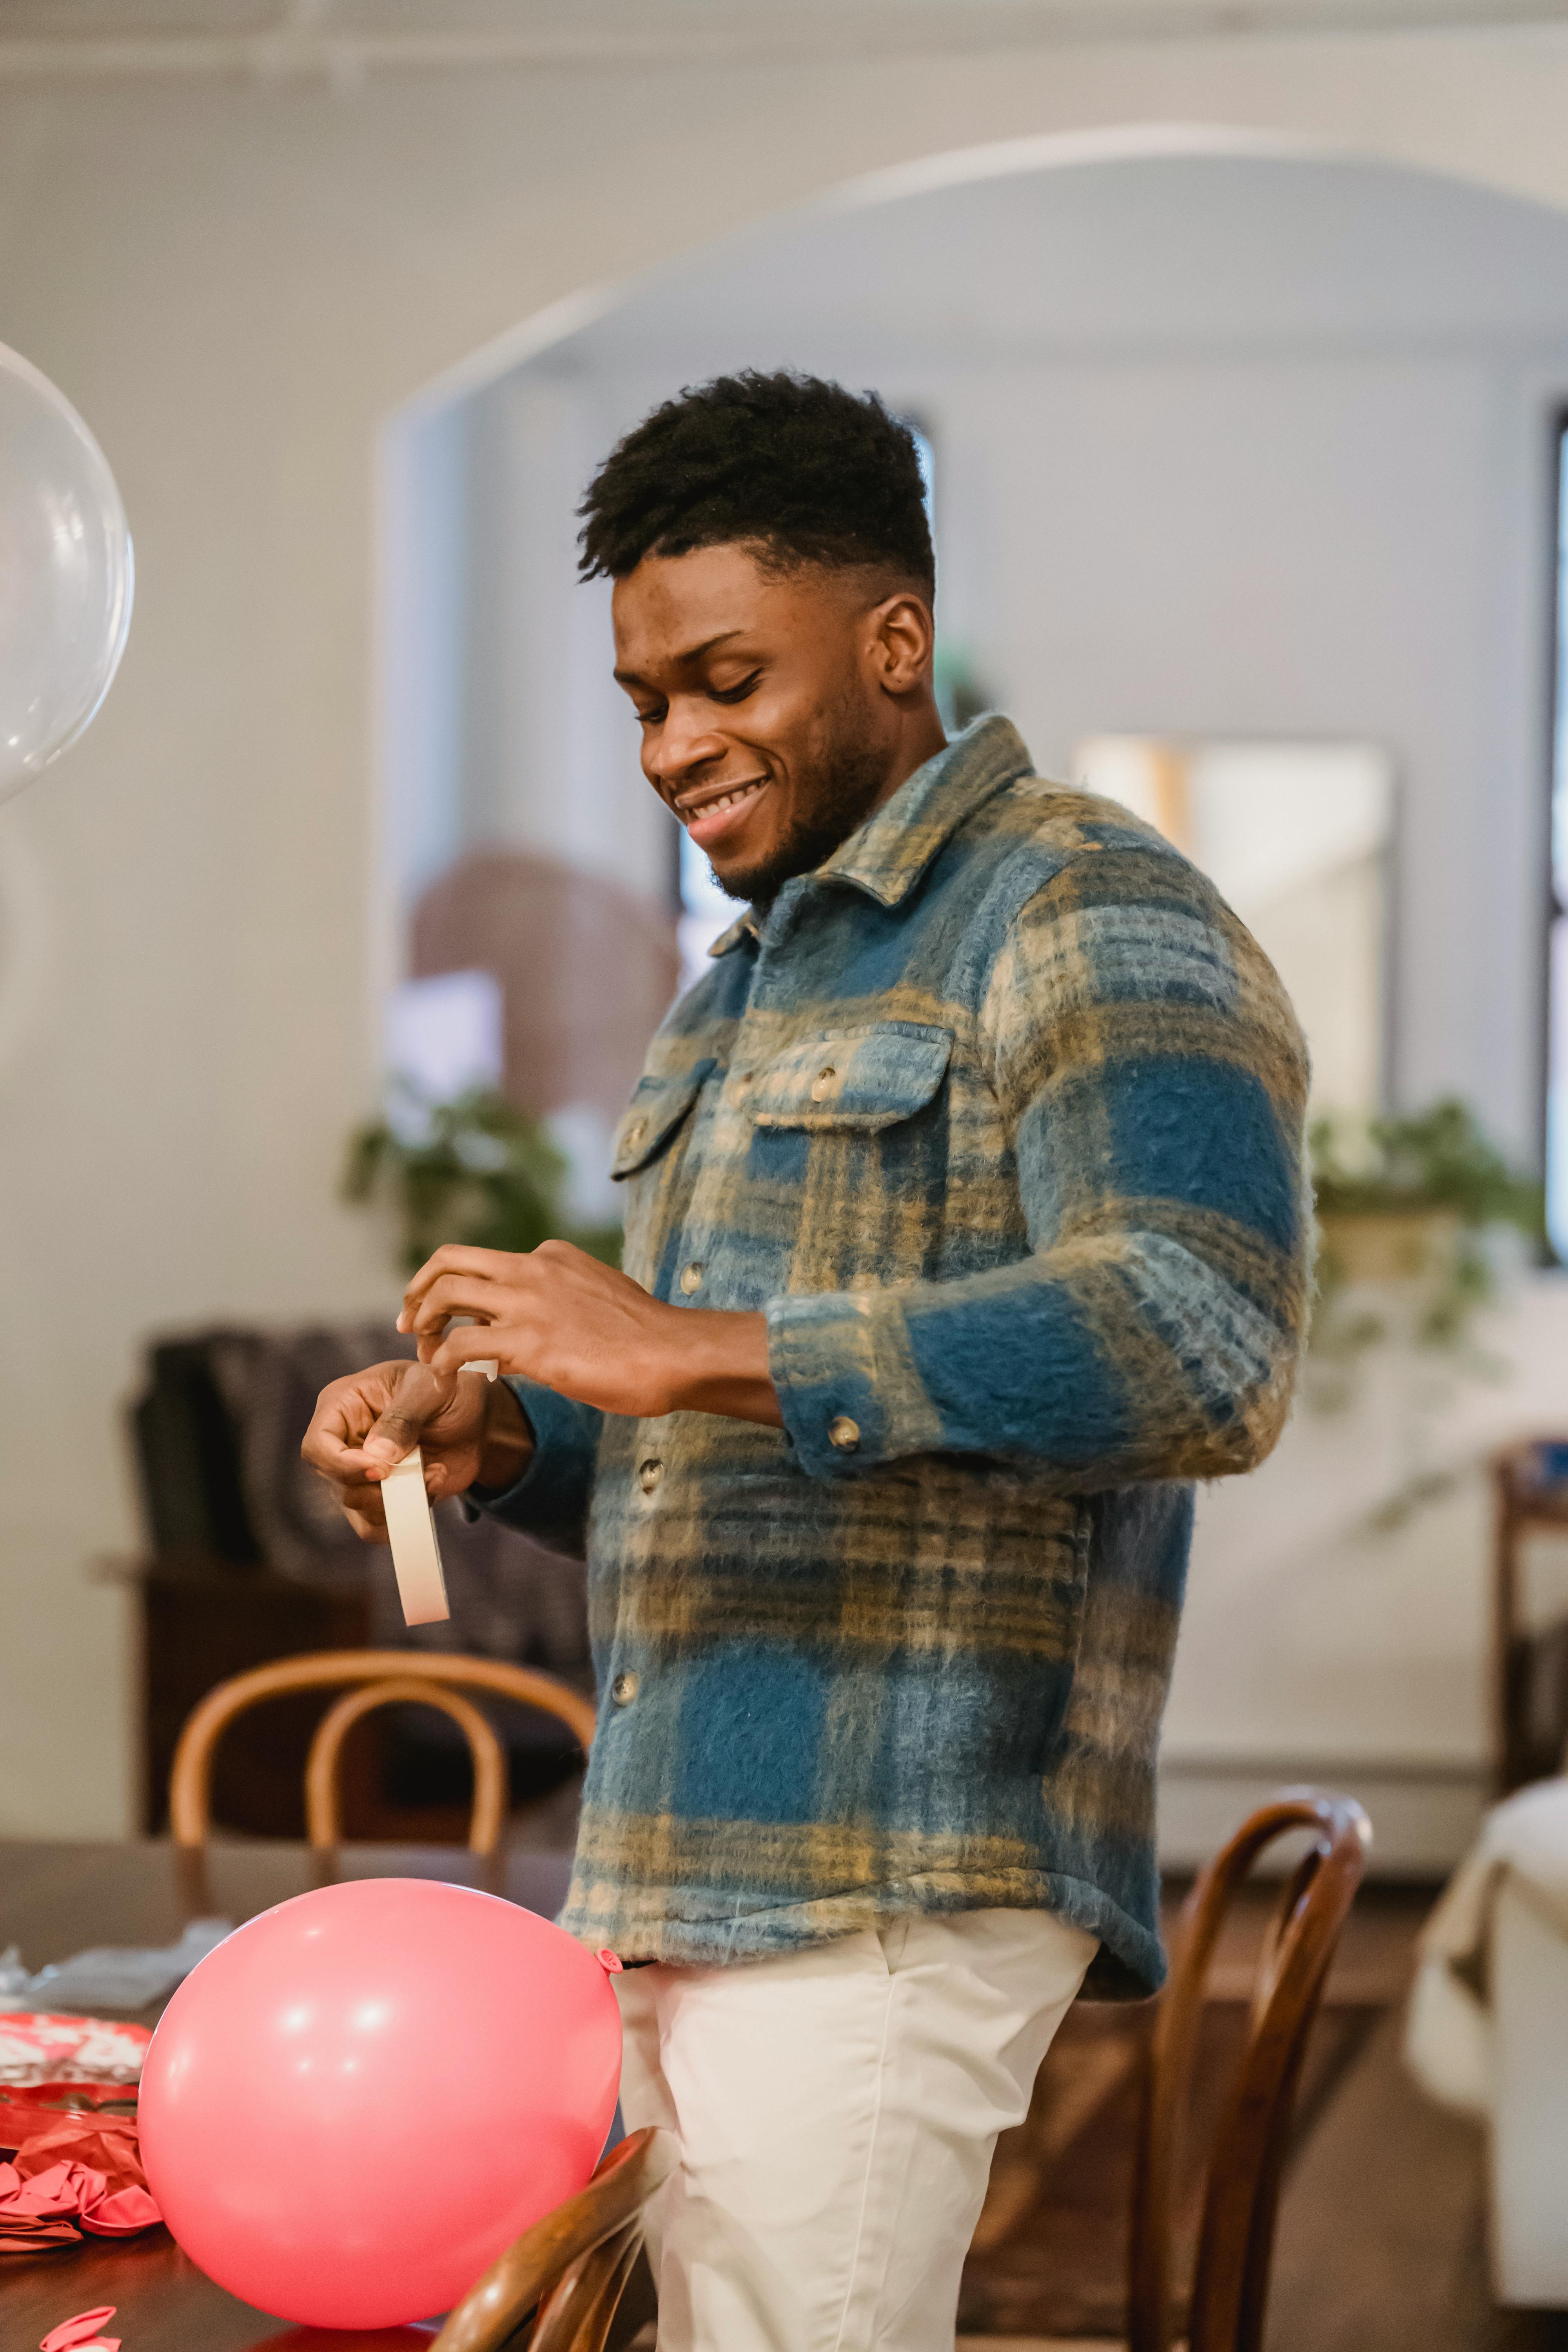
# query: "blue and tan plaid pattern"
{"type": "Point", "coordinates": [999, 1116]}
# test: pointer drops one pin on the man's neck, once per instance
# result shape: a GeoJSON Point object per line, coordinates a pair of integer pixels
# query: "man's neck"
{"type": "Point", "coordinates": [921, 740]}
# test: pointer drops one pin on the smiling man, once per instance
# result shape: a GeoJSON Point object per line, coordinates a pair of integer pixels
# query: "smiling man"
{"type": "Point", "coordinates": [964, 1230]}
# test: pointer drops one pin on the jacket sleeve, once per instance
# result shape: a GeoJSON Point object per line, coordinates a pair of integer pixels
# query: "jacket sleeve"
{"type": "Point", "coordinates": [550, 1501]}
{"type": "Point", "coordinates": [1153, 1080]}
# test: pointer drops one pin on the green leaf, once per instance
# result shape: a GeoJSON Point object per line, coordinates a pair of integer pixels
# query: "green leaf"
{"type": "Point", "coordinates": [476, 1170]}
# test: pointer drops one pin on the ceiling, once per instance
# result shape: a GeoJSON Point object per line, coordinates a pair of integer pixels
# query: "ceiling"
{"type": "Point", "coordinates": [337, 38]}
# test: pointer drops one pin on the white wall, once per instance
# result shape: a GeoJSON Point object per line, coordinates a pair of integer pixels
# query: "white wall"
{"type": "Point", "coordinates": [517, 740]}
{"type": "Point", "coordinates": [237, 283]}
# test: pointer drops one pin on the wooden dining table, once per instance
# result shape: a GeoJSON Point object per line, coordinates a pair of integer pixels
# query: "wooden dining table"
{"type": "Point", "coordinates": [59, 1899]}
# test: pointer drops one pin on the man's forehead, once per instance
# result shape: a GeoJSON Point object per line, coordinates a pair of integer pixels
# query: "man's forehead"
{"type": "Point", "coordinates": [695, 595]}
{"type": "Point", "coordinates": [678, 606]}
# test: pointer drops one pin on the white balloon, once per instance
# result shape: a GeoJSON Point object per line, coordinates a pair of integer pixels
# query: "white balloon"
{"type": "Point", "coordinates": [65, 573]}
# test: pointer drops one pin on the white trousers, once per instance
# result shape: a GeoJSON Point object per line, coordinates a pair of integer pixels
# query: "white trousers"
{"type": "Point", "coordinates": [836, 2109]}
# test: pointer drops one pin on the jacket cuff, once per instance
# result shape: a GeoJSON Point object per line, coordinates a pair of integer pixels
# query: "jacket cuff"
{"type": "Point", "coordinates": [548, 1495]}
{"type": "Point", "coordinates": [847, 1382]}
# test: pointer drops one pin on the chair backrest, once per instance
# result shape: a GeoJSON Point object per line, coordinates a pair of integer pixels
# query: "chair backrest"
{"type": "Point", "coordinates": [378, 1677]}
{"type": "Point", "coordinates": [323, 1814]}
{"type": "Point", "coordinates": [572, 2266]}
{"type": "Point", "coordinates": [1236, 2238]}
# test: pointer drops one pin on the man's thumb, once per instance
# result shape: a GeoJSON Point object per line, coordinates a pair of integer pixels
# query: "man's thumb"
{"type": "Point", "coordinates": [421, 1395]}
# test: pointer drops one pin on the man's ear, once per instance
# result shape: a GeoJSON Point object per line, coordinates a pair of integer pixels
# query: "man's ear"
{"type": "Point", "coordinates": [905, 642]}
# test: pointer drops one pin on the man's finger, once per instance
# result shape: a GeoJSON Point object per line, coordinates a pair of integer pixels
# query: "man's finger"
{"type": "Point", "coordinates": [360, 1504]}
{"type": "Point", "coordinates": [453, 1257]}
{"type": "Point", "coordinates": [363, 1506]}
{"type": "Point", "coordinates": [458, 1294]}
{"type": "Point", "coordinates": [476, 1343]}
{"type": "Point", "coordinates": [345, 1414]}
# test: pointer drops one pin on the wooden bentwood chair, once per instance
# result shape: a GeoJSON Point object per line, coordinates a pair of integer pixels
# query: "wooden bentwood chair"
{"type": "Point", "coordinates": [572, 2267]}
{"type": "Point", "coordinates": [383, 1677]}
{"type": "Point", "coordinates": [1241, 2197]}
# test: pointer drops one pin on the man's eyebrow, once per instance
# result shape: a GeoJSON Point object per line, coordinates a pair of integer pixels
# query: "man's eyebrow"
{"type": "Point", "coordinates": [692, 654]}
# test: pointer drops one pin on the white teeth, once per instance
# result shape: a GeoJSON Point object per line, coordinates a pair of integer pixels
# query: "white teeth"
{"type": "Point", "coordinates": [725, 801]}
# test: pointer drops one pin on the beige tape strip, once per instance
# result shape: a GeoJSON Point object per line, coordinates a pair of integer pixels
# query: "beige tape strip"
{"type": "Point", "coordinates": [415, 1553]}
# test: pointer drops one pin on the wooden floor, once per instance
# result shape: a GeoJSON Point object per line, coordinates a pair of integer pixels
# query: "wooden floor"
{"type": "Point", "coordinates": [1383, 2232]}
{"type": "Point", "coordinates": [1380, 2245]}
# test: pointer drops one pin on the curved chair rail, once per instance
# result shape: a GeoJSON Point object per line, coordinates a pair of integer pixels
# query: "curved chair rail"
{"type": "Point", "coordinates": [189, 1779]}
{"type": "Point", "coordinates": [1241, 2198]}
{"type": "Point", "coordinates": [323, 1815]}
{"type": "Point", "coordinates": [575, 2263]}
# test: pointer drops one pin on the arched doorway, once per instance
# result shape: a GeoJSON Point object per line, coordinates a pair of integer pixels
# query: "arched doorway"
{"type": "Point", "coordinates": [1232, 439]}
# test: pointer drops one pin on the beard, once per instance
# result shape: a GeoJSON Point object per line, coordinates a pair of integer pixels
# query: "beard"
{"type": "Point", "coordinates": [839, 795]}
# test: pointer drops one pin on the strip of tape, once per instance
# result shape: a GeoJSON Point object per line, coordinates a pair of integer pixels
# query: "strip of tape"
{"type": "Point", "coordinates": [416, 1551]}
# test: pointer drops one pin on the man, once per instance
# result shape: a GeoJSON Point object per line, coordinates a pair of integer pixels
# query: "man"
{"type": "Point", "coordinates": [964, 1230]}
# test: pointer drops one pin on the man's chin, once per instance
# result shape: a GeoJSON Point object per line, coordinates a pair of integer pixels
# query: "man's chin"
{"type": "Point", "coordinates": [760, 875]}
{"type": "Point", "coordinates": [816, 824]}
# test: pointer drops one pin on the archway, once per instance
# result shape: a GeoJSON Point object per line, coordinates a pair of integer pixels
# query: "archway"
{"type": "Point", "coordinates": [1233, 438]}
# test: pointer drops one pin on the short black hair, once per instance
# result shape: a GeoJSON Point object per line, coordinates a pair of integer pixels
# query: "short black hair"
{"type": "Point", "coordinates": [803, 469]}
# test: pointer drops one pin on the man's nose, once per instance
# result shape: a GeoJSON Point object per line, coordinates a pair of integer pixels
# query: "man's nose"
{"type": "Point", "coordinates": [687, 742]}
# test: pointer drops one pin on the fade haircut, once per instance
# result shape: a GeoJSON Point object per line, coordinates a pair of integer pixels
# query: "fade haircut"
{"type": "Point", "coordinates": [801, 470]}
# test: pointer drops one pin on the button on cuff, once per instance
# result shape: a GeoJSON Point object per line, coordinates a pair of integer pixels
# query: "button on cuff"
{"type": "Point", "coordinates": [826, 1355]}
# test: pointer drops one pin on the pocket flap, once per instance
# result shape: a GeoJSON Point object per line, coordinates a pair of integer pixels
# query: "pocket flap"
{"type": "Point", "coordinates": [652, 1116]}
{"type": "Point", "coordinates": [862, 1078]}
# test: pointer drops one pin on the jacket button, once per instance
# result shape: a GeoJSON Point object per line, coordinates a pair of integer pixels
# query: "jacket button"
{"type": "Point", "coordinates": [635, 1133]}
{"type": "Point", "coordinates": [844, 1434]}
{"type": "Point", "coordinates": [623, 1689]}
{"type": "Point", "coordinates": [821, 1083]}
{"type": "Point", "coordinates": [692, 1277]}
{"type": "Point", "coordinates": [649, 1473]}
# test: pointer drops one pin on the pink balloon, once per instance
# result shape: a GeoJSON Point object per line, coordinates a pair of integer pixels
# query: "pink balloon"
{"type": "Point", "coordinates": [355, 2102]}
{"type": "Point", "coordinates": [328, 2339]}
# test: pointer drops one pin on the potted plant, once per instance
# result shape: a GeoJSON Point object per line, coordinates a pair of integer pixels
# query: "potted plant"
{"type": "Point", "coordinates": [1403, 1200]}
{"type": "Point", "coordinates": [475, 1170]}
{"type": "Point", "coordinates": [1408, 1215]}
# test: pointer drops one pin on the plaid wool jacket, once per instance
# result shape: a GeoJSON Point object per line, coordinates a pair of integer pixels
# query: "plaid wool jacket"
{"type": "Point", "coordinates": [999, 1116]}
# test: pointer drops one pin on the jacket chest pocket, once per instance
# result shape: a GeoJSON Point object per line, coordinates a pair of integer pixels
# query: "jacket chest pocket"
{"type": "Point", "coordinates": [851, 1081]}
{"type": "Point", "coordinates": [653, 1118]}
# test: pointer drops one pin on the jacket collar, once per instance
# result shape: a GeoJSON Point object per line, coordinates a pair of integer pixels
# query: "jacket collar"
{"type": "Point", "coordinates": [887, 856]}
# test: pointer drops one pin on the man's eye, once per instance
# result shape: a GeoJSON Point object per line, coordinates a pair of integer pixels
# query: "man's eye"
{"type": "Point", "coordinates": [736, 693]}
{"type": "Point", "coordinates": [652, 718]}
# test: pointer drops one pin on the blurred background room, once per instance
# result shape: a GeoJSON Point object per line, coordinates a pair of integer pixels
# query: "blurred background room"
{"type": "Point", "coordinates": [1237, 338]}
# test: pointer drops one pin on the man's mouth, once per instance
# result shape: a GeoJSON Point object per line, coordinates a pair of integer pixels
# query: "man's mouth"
{"type": "Point", "coordinates": [710, 815]}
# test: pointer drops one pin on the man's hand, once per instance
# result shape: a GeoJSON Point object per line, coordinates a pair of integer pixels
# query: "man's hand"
{"type": "Point", "coordinates": [471, 1432]}
{"type": "Point", "coordinates": [558, 1317]}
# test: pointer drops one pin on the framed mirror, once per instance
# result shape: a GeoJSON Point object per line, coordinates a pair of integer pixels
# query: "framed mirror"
{"type": "Point", "coordinates": [1298, 837]}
